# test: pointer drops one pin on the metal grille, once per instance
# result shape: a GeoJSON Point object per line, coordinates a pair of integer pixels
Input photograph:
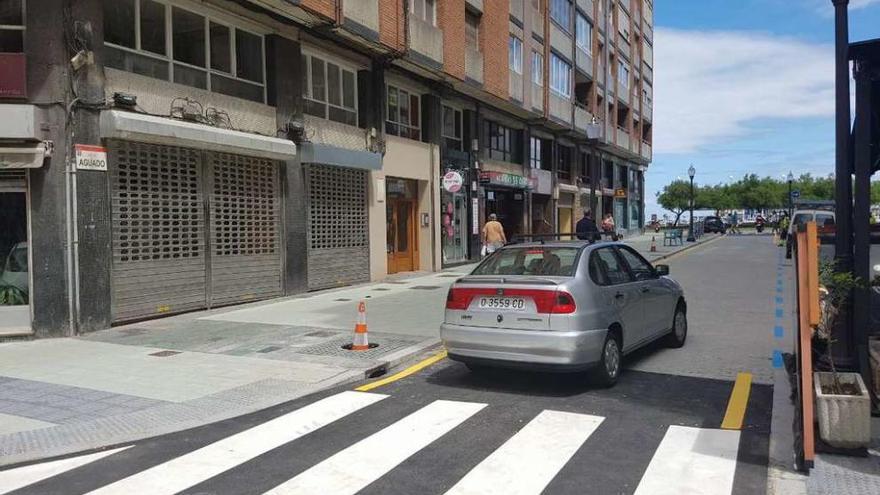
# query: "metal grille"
{"type": "Point", "coordinates": [338, 227]}
{"type": "Point", "coordinates": [245, 229]}
{"type": "Point", "coordinates": [158, 230]}
{"type": "Point", "coordinates": [13, 180]}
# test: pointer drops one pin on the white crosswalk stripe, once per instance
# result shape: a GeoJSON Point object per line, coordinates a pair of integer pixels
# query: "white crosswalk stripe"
{"type": "Point", "coordinates": [352, 469]}
{"type": "Point", "coordinates": [527, 462]}
{"type": "Point", "coordinates": [191, 469]}
{"type": "Point", "coordinates": [13, 479]}
{"type": "Point", "coordinates": [694, 461]}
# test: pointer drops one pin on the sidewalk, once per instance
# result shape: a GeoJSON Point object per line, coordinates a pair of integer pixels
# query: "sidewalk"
{"type": "Point", "coordinates": [59, 396]}
{"type": "Point", "coordinates": [642, 244]}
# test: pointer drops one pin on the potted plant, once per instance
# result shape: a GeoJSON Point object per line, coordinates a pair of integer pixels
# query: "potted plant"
{"type": "Point", "coordinates": [843, 406]}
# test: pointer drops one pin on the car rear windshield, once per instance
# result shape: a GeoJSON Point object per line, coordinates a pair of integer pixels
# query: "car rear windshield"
{"type": "Point", "coordinates": [802, 218]}
{"type": "Point", "coordinates": [529, 261]}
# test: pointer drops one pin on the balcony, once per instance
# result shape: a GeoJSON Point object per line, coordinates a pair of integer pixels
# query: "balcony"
{"type": "Point", "coordinates": [473, 64]}
{"type": "Point", "coordinates": [560, 108]}
{"type": "Point", "coordinates": [426, 39]}
{"type": "Point", "coordinates": [582, 118]}
{"type": "Point", "coordinates": [646, 152]}
{"type": "Point", "coordinates": [538, 98]}
{"type": "Point", "coordinates": [586, 6]}
{"type": "Point", "coordinates": [623, 138]}
{"type": "Point", "coordinates": [609, 132]}
{"type": "Point", "coordinates": [648, 32]}
{"type": "Point", "coordinates": [647, 111]}
{"type": "Point", "coordinates": [516, 85]}
{"type": "Point", "coordinates": [363, 14]}
{"type": "Point", "coordinates": [647, 72]}
{"type": "Point", "coordinates": [623, 93]}
{"type": "Point", "coordinates": [584, 61]}
{"type": "Point", "coordinates": [560, 41]}
{"type": "Point", "coordinates": [516, 9]}
{"type": "Point", "coordinates": [537, 27]}
{"type": "Point", "coordinates": [13, 75]}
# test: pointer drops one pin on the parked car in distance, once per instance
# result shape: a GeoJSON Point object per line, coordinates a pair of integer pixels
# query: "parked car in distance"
{"type": "Point", "coordinates": [824, 219]}
{"type": "Point", "coordinates": [562, 306]}
{"type": "Point", "coordinates": [714, 224]}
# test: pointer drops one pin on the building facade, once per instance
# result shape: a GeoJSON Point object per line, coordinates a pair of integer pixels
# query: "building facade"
{"type": "Point", "coordinates": [160, 156]}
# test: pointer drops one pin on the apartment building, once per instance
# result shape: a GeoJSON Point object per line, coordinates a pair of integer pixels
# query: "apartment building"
{"type": "Point", "coordinates": [161, 156]}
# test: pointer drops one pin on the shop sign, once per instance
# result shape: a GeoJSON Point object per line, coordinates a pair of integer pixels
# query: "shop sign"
{"type": "Point", "coordinates": [90, 157]}
{"type": "Point", "coordinates": [452, 181]}
{"type": "Point", "coordinates": [475, 216]}
{"type": "Point", "coordinates": [620, 193]}
{"type": "Point", "coordinates": [506, 180]}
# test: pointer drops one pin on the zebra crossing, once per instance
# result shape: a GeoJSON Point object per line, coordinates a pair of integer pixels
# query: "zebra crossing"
{"type": "Point", "coordinates": [688, 460]}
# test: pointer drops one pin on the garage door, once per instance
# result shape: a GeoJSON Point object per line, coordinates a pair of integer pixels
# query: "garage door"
{"type": "Point", "coordinates": [338, 227]}
{"type": "Point", "coordinates": [191, 229]}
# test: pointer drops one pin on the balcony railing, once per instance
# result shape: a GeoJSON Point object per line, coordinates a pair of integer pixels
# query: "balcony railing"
{"type": "Point", "coordinates": [516, 85]}
{"type": "Point", "coordinates": [646, 152]}
{"type": "Point", "coordinates": [560, 107]}
{"type": "Point", "coordinates": [623, 138]}
{"type": "Point", "coordinates": [537, 97]}
{"type": "Point", "coordinates": [473, 64]}
{"type": "Point", "coordinates": [426, 39]}
{"type": "Point", "coordinates": [582, 118]}
{"type": "Point", "coordinates": [584, 61]}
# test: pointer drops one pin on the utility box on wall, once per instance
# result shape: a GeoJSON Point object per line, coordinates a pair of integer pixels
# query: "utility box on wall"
{"type": "Point", "coordinates": [13, 75]}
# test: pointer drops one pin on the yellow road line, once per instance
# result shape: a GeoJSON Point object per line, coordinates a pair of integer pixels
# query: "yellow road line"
{"type": "Point", "coordinates": [403, 374]}
{"type": "Point", "coordinates": [739, 399]}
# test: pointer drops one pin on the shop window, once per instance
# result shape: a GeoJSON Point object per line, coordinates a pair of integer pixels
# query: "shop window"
{"type": "Point", "coordinates": [206, 51]}
{"type": "Point", "coordinates": [403, 113]}
{"type": "Point", "coordinates": [329, 90]}
{"type": "Point", "coordinates": [12, 26]}
{"type": "Point", "coordinates": [505, 144]}
{"type": "Point", "coordinates": [452, 128]}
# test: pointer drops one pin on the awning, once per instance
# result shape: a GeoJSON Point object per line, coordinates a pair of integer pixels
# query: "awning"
{"type": "Point", "coordinates": [31, 156]}
{"type": "Point", "coordinates": [118, 124]}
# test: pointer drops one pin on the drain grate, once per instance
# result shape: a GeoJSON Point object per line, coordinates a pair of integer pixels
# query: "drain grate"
{"type": "Point", "coordinates": [426, 287]}
{"type": "Point", "coordinates": [333, 347]}
{"type": "Point", "coordinates": [271, 348]}
{"type": "Point", "coordinates": [165, 353]}
{"type": "Point", "coordinates": [342, 299]}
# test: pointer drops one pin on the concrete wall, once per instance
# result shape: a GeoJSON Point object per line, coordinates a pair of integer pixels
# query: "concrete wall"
{"type": "Point", "coordinates": [363, 12]}
{"type": "Point", "coordinates": [426, 39]}
{"type": "Point", "coordinates": [407, 159]}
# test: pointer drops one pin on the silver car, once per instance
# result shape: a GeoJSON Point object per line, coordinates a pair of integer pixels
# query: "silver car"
{"type": "Point", "coordinates": [562, 306]}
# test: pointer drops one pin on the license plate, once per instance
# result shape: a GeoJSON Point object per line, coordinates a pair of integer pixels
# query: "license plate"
{"type": "Point", "coordinates": [503, 303]}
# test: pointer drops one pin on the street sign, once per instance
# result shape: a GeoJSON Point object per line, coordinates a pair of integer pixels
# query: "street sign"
{"type": "Point", "coordinates": [795, 194]}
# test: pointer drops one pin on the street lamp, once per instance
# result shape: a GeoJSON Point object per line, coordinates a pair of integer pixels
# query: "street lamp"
{"type": "Point", "coordinates": [790, 199]}
{"type": "Point", "coordinates": [691, 173]}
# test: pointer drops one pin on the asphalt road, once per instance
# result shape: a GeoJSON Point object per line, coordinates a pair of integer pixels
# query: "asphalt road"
{"type": "Point", "coordinates": [446, 430]}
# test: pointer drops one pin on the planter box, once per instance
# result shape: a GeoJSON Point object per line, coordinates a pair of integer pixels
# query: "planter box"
{"type": "Point", "coordinates": [844, 420]}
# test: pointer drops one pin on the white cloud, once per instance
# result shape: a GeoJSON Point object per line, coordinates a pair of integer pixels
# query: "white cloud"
{"type": "Point", "coordinates": [709, 85]}
{"type": "Point", "coordinates": [858, 4]}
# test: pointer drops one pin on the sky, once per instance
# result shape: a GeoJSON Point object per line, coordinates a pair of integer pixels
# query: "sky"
{"type": "Point", "coordinates": [746, 86]}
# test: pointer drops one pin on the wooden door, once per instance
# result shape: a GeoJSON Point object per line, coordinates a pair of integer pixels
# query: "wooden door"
{"type": "Point", "coordinates": [401, 235]}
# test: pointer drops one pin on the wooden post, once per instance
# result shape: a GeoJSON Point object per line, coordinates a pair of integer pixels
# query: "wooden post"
{"type": "Point", "coordinates": [805, 352]}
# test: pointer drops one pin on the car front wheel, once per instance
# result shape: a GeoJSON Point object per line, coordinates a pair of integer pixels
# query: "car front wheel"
{"type": "Point", "coordinates": [609, 368]}
{"type": "Point", "coordinates": [678, 335]}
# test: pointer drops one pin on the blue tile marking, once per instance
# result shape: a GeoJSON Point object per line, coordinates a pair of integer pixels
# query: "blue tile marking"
{"type": "Point", "coordinates": [779, 289]}
{"type": "Point", "coordinates": [779, 312]}
{"type": "Point", "coordinates": [777, 358]}
{"type": "Point", "coordinates": [779, 299]}
{"type": "Point", "coordinates": [778, 331]}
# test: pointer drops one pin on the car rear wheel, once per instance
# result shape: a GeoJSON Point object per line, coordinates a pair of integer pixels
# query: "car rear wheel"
{"type": "Point", "coordinates": [609, 368]}
{"type": "Point", "coordinates": [678, 335]}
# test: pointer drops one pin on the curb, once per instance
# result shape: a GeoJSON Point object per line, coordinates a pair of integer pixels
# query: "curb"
{"type": "Point", "coordinates": [686, 248]}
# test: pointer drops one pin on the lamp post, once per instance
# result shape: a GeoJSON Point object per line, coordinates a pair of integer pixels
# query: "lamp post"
{"type": "Point", "coordinates": [790, 178]}
{"type": "Point", "coordinates": [691, 173]}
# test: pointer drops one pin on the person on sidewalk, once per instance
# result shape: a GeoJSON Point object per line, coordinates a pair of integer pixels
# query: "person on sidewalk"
{"type": "Point", "coordinates": [608, 226]}
{"type": "Point", "coordinates": [493, 235]}
{"type": "Point", "coordinates": [586, 228]}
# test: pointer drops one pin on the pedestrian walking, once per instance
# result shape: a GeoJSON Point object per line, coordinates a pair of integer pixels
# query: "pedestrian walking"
{"type": "Point", "coordinates": [734, 223]}
{"type": "Point", "coordinates": [493, 235]}
{"type": "Point", "coordinates": [586, 228]}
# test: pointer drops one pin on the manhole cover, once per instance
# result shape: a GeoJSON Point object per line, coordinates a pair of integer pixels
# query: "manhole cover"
{"type": "Point", "coordinates": [164, 353]}
{"type": "Point", "coordinates": [425, 287]}
{"type": "Point", "coordinates": [333, 347]}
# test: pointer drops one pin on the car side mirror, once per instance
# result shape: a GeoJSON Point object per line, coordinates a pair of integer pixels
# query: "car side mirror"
{"type": "Point", "coordinates": [662, 270]}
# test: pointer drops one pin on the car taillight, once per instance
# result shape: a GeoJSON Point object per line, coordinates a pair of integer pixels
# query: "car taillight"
{"type": "Point", "coordinates": [564, 304]}
{"type": "Point", "coordinates": [548, 301]}
{"type": "Point", "coordinates": [458, 299]}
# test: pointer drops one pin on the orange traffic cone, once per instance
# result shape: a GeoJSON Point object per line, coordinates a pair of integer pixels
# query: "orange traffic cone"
{"type": "Point", "coordinates": [360, 341]}
{"type": "Point", "coordinates": [653, 245]}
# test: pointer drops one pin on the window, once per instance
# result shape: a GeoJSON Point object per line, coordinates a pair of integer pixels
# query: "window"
{"type": "Point", "coordinates": [560, 76]}
{"type": "Point", "coordinates": [424, 10]}
{"type": "Point", "coordinates": [623, 73]}
{"type": "Point", "coordinates": [515, 55]}
{"type": "Point", "coordinates": [504, 143]}
{"type": "Point", "coordinates": [471, 30]}
{"type": "Point", "coordinates": [640, 269]}
{"type": "Point", "coordinates": [535, 146]}
{"type": "Point", "coordinates": [204, 52]}
{"type": "Point", "coordinates": [537, 68]}
{"type": "Point", "coordinates": [623, 23]}
{"type": "Point", "coordinates": [583, 33]}
{"type": "Point", "coordinates": [560, 11]}
{"type": "Point", "coordinates": [403, 113]}
{"type": "Point", "coordinates": [565, 160]}
{"type": "Point", "coordinates": [12, 26]}
{"type": "Point", "coordinates": [549, 261]}
{"type": "Point", "coordinates": [329, 90]}
{"type": "Point", "coordinates": [452, 127]}
{"type": "Point", "coordinates": [606, 268]}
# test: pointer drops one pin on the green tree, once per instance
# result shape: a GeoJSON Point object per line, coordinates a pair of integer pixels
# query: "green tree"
{"type": "Point", "coordinates": [675, 197]}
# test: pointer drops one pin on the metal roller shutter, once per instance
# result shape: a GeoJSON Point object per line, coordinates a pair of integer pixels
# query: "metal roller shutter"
{"type": "Point", "coordinates": [158, 224]}
{"type": "Point", "coordinates": [13, 180]}
{"type": "Point", "coordinates": [245, 229]}
{"type": "Point", "coordinates": [338, 227]}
